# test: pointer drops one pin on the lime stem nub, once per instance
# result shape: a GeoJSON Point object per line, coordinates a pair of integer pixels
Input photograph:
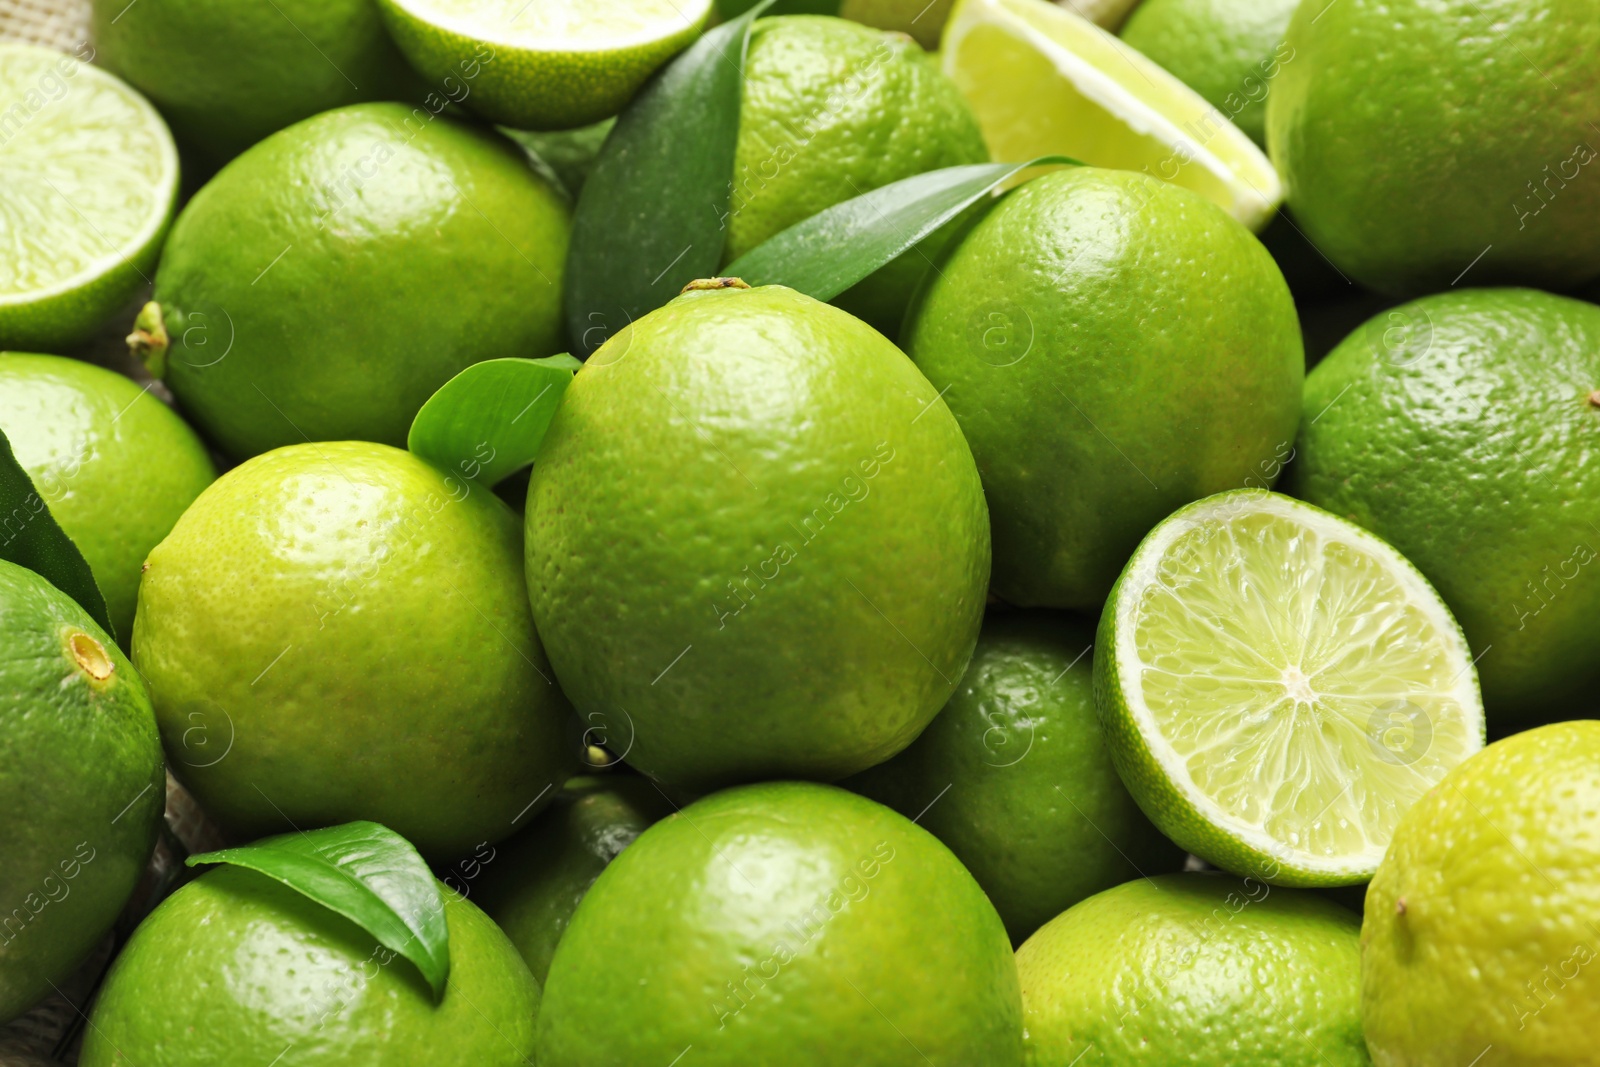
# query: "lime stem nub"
{"type": "Point", "coordinates": [148, 342]}
{"type": "Point", "coordinates": [714, 283]}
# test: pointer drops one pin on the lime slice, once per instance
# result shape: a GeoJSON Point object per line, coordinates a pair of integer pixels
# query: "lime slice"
{"type": "Point", "coordinates": [542, 64]}
{"type": "Point", "coordinates": [1278, 686]}
{"type": "Point", "coordinates": [1043, 80]}
{"type": "Point", "coordinates": [90, 176]}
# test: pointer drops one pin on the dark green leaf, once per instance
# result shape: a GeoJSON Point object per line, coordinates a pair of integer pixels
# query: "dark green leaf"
{"type": "Point", "coordinates": [367, 873]}
{"type": "Point", "coordinates": [489, 420]}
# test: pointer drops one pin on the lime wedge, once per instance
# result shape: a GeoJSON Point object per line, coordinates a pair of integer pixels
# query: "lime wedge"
{"type": "Point", "coordinates": [89, 178]}
{"type": "Point", "coordinates": [542, 64]}
{"type": "Point", "coordinates": [1279, 686]}
{"type": "Point", "coordinates": [1042, 80]}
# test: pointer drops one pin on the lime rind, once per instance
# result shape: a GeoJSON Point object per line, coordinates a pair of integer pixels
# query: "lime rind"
{"type": "Point", "coordinates": [546, 26]}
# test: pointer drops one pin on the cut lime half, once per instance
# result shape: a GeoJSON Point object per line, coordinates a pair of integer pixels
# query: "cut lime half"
{"type": "Point", "coordinates": [1044, 81]}
{"type": "Point", "coordinates": [1278, 686]}
{"type": "Point", "coordinates": [88, 179]}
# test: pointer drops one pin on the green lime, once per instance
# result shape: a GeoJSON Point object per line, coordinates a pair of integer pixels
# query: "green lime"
{"type": "Point", "coordinates": [783, 923]}
{"type": "Point", "coordinates": [238, 968]}
{"type": "Point", "coordinates": [331, 278]}
{"type": "Point", "coordinates": [1278, 686]}
{"type": "Point", "coordinates": [1482, 922]}
{"type": "Point", "coordinates": [339, 631]}
{"type": "Point", "coordinates": [1195, 969]}
{"type": "Point", "coordinates": [80, 775]}
{"type": "Point", "coordinates": [921, 20]}
{"type": "Point", "coordinates": [543, 64]}
{"type": "Point", "coordinates": [1014, 778]}
{"type": "Point", "coordinates": [1427, 142]}
{"type": "Point", "coordinates": [534, 883]}
{"type": "Point", "coordinates": [91, 176]}
{"type": "Point", "coordinates": [114, 464]}
{"type": "Point", "coordinates": [1092, 417]}
{"type": "Point", "coordinates": [790, 578]}
{"type": "Point", "coordinates": [1461, 429]}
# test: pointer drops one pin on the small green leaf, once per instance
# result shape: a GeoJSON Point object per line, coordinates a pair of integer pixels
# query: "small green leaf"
{"type": "Point", "coordinates": [30, 537]}
{"type": "Point", "coordinates": [838, 247]}
{"type": "Point", "coordinates": [489, 420]}
{"type": "Point", "coordinates": [367, 873]}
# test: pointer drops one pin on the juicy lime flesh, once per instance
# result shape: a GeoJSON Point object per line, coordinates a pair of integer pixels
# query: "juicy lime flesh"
{"type": "Point", "coordinates": [550, 25]}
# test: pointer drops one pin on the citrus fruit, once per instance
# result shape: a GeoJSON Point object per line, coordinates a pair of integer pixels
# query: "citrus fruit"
{"type": "Point", "coordinates": [115, 465]}
{"type": "Point", "coordinates": [1278, 686]}
{"type": "Point", "coordinates": [1044, 81]}
{"type": "Point", "coordinates": [534, 883]}
{"type": "Point", "coordinates": [1113, 347]}
{"type": "Point", "coordinates": [331, 278]}
{"type": "Point", "coordinates": [790, 577]}
{"type": "Point", "coordinates": [338, 631]}
{"type": "Point", "coordinates": [1195, 969]}
{"type": "Point", "coordinates": [783, 923]}
{"type": "Point", "coordinates": [238, 968]}
{"type": "Point", "coordinates": [1013, 776]}
{"type": "Point", "coordinates": [1461, 428]}
{"type": "Point", "coordinates": [91, 176]}
{"type": "Point", "coordinates": [1469, 165]}
{"type": "Point", "coordinates": [80, 773]}
{"type": "Point", "coordinates": [921, 20]}
{"type": "Point", "coordinates": [544, 64]}
{"type": "Point", "coordinates": [1482, 922]}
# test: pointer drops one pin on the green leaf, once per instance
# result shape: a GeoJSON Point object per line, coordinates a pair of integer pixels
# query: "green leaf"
{"type": "Point", "coordinates": [30, 537]}
{"type": "Point", "coordinates": [489, 420]}
{"type": "Point", "coordinates": [653, 212]}
{"type": "Point", "coordinates": [836, 248]}
{"type": "Point", "coordinates": [367, 873]}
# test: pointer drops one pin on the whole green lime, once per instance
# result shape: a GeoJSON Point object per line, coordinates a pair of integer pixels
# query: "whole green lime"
{"type": "Point", "coordinates": [1481, 924]}
{"type": "Point", "coordinates": [115, 465]}
{"type": "Point", "coordinates": [81, 775]}
{"type": "Point", "coordinates": [331, 278]}
{"type": "Point", "coordinates": [921, 20]}
{"type": "Point", "coordinates": [1195, 969]}
{"type": "Point", "coordinates": [756, 542]}
{"type": "Point", "coordinates": [1464, 429]}
{"type": "Point", "coordinates": [1471, 162]}
{"type": "Point", "coordinates": [1113, 347]}
{"type": "Point", "coordinates": [1013, 776]}
{"type": "Point", "coordinates": [339, 631]}
{"type": "Point", "coordinates": [238, 968]}
{"type": "Point", "coordinates": [783, 923]}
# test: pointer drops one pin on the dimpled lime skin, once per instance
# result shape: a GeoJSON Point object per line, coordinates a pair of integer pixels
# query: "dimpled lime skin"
{"type": "Point", "coordinates": [238, 968]}
{"type": "Point", "coordinates": [783, 923]}
{"type": "Point", "coordinates": [338, 631]}
{"type": "Point", "coordinates": [327, 281]}
{"type": "Point", "coordinates": [1113, 347]}
{"type": "Point", "coordinates": [1459, 429]}
{"type": "Point", "coordinates": [788, 578]}
{"type": "Point", "coordinates": [1406, 188]}
{"type": "Point", "coordinates": [1013, 777]}
{"type": "Point", "coordinates": [114, 464]}
{"type": "Point", "coordinates": [1195, 970]}
{"type": "Point", "coordinates": [81, 773]}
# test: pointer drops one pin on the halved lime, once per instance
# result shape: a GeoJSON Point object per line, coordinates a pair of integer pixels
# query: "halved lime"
{"type": "Point", "coordinates": [89, 176]}
{"type": "Point", "coordinates": [1042, 80]}
{"type": "Point", "coordinates": [1278, 686]}
{"type": "Point", "coordinates": [542, 64]}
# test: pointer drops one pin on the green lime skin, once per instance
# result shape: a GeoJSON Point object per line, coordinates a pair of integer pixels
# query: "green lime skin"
{"type": "Point", "coordinates": [326, 282]}
{"type": "Point", "coordinates": [1013, 776]}
{"type": "Point", "coordinates": [238, 968]}
{"type": "Point", "coordinates": [1195, 970]}
{"type": "Point", "coordinates": [338, 631]}
{"type": "Point", "coordinates": [1482, 925]}
{"type": "Point", "coordinates": [1113, 347]}
{"type": "Point", "coordinates": [1471, 163]}
{"type": "Point", "coordinates": [534, 884]}
{"type": "Point", "coordinates": [831, 110]}
{"type": "Point", "coordinates": [783, 923]}
{"type": "Point", "coordinates": [114, 464]}
{"type": "Point", "coordinates": [790, 578]}
{"type": "Point", "coordinates": [918, 19]}
{"type": "Point", "coordinates": [81, 775]}
{"type": "Point", "coordinates": [1464, 429]}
